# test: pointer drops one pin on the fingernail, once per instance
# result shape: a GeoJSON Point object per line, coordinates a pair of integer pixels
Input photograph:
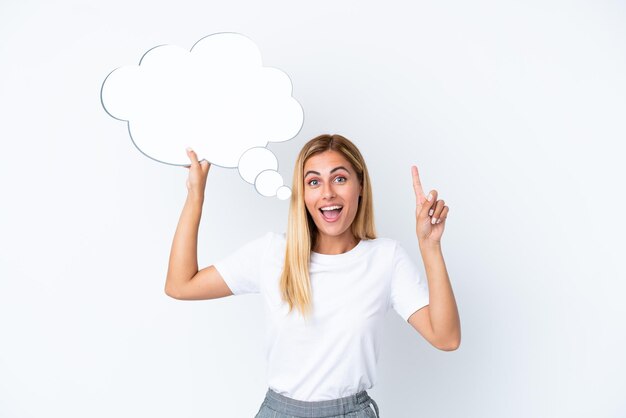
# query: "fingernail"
{"type": "Point", "coordinates": [430, 197]}
{"type": "Point", "coordinates": [430, 212]}
{"type": "Point", "coordinates": [433, 220]}
{"type": "Point", "coordinates": [438, 220]}
{"type": "Point", "coordinates": [189, 149]}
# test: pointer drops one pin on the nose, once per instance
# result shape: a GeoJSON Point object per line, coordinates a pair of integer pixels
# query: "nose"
{"type": "Point", "coordinates": [328, 191]}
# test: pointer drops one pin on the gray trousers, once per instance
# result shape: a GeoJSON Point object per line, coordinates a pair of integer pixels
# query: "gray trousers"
{"type": "Point", "coordinates": [276, 405]}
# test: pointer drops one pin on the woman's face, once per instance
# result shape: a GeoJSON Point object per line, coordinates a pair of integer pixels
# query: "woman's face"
{"type": "Point", "coordinates": [330, 180]}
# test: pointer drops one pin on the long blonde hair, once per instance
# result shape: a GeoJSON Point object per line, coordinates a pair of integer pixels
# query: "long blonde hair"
{"type": "Point", "coordinates": [295, 282]}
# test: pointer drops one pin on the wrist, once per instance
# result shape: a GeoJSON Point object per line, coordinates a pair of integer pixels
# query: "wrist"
{"type": "Point", "coordinates": [195, 197]}
{"type": "Point", "coordinates": [429, 246]}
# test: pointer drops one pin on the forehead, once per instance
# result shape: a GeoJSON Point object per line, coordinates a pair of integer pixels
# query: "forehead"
{"type": "Point", "coordinates": [326, 161]}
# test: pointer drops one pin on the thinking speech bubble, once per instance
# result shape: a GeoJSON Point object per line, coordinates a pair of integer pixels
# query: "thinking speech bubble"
{"type": "Point", "coordinates": [216, 98]}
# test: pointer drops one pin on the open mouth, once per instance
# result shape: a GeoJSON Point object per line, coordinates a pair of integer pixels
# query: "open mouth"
{"type": "Point", "coordinates": [331, 215]}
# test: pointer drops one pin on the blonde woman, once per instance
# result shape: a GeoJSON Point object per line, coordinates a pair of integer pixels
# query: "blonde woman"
{"type": "Point", "coordinates": [326, 283]}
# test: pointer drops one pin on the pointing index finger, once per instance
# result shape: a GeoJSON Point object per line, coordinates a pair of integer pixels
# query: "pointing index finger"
{"type": "Point", "coordinates": [417, 185]}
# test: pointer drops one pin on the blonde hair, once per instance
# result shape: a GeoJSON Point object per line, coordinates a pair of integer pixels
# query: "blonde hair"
{"type": "Point", "coordinates": [295, 283]}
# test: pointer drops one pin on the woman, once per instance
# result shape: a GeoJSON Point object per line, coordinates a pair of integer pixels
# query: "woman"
{"type": "Point", "coordinates": [326, 283]}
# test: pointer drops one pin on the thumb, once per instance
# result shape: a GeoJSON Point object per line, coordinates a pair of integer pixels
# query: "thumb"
{"type": "Point", "coordinates": [428, 202]}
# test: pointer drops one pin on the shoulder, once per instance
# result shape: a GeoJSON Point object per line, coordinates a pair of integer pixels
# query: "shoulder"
{"type": "Point", "coordinates": [276, 241]}
{"type": "Point", "coordinates": [259, 243]}
{"type": "Point", "coordinates": [379, 248]}
{"type": "Point", "coordinates": [276, 237]}
{"type": "Point", "coordinates": [268, 236]}
{"type": "Point", "coordinates": [382, 243]}
{"type": "Point", "coordinates": [390, 247]}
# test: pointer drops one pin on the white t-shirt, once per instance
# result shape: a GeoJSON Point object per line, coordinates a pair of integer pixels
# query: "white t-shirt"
{"type": "Point", "coordinates": [333, 354]}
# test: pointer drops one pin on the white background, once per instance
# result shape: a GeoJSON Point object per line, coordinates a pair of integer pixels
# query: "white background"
{"type": "Point", "coordinates": [513, 111]}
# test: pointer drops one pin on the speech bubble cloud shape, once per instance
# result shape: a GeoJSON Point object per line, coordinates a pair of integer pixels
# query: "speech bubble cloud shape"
{"type": "Point", "coordinates": [255, 160]}
{"type": "Point", "coordinates": [268, 182]}
{"type": "Point", "coordinates": [283, 193]}
{"type": "Point", "coordinates": [260, 160]}
{"type": "Point", "coordinates": [216, 98]}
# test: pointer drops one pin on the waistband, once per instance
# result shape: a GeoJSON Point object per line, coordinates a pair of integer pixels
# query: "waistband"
{"type": "Point", "coordinates": [319, 409]}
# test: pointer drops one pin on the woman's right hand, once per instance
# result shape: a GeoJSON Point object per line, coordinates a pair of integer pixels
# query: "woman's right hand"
{"type": "Point", "coordinates": [198, 172]}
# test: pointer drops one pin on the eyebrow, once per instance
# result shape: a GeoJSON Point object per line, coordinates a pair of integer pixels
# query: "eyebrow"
{"type": "Point", "coordinates": [331, 171]}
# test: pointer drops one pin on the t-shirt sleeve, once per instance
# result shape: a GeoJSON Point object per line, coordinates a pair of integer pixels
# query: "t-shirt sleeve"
{"type": "Point", "coordinates": [241, 269]}
{"type": "Point", "coordinates": [409, 290]}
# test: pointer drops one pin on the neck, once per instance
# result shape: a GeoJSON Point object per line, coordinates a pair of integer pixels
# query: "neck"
{"type": "Point", "coordinates": [333, 245]}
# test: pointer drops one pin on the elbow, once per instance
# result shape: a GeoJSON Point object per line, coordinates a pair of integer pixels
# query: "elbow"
{"type": "Point", "coordinates": [450, 344]}
{"type": "Point", "coordinates": [176, 288]}
{"type": "Point", "coordinates": [171, 292]}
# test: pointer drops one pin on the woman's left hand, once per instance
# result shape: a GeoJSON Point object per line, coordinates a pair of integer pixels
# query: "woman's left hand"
{"type": "Point", "coordinates": [427, 212]}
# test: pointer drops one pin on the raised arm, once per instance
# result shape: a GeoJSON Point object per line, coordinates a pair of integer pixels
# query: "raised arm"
{"type": "Point", "coordinates": [438, 322]}
{"type": "Point", "coordinates": [184, 281]}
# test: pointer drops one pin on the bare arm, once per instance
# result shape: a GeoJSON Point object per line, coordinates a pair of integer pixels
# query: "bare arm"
{"type": "Point", "coordinates": [183, 262]}
{"type": "Point", "coordinates": [439, 321]}
{"type": "Point", "coordinates": [184, 281]}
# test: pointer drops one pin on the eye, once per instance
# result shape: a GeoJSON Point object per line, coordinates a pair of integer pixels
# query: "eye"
{"type": "Point", "coordinates": [341, 177]}
{"type": "Point", "coordinates": [309, 183]}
